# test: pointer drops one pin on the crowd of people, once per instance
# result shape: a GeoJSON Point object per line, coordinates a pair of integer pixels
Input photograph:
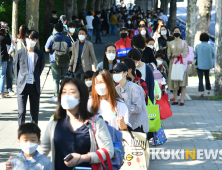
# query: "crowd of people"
{"type": "Point", "coordinates": [134, 71]}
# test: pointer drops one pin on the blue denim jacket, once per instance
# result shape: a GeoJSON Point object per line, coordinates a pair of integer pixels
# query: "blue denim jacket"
{"type": "Point", "coordinates": [38, 162]}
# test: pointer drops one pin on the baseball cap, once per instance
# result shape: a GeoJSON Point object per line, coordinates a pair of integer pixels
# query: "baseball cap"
{"type": "Point", "coordinates": [63, 18]}
{"type": "Point", "coordinates": [119, 67]}
{"type": "Point", "coordinates": [123, 28]}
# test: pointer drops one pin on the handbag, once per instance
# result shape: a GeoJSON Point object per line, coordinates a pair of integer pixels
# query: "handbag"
{"type": "Point", "coordinates": [164, 108]}
{"type": "Point", "coordinates": [159, 137]}
{"type": "Point", "coordinates": [154, 116]}
{"type": "Point", "coordinates": [177, 71]}
{"type": "Point", "coordinates": [190, 55]}
{"type": "Point", "coordinates": [137, 153]}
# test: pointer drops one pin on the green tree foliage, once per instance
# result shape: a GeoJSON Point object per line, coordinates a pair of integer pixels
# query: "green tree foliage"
{"type": "Point", "coordinates": [6, 13]}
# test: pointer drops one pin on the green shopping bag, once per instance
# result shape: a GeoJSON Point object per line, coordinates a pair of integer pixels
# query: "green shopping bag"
{"type": "Point", "coordinates": [154, 117]}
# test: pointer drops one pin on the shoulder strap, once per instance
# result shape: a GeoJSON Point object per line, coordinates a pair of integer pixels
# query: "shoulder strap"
{"type": "Point", "coordinates": [108, 160]}
{"type": "Point", "coordinates": [101, 159]}
{"type": "Point", "coordinates": [64, 38]}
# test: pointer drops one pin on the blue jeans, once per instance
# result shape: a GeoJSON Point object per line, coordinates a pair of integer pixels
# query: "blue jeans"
{"type": "Point", "coordinates": [90, 31]}
{"type": "Point", "coordinates": [2, 76]}
{"type": "Point", "coordinates": [113, 29]}
{"type": "Point", "coordinates": [9, 74]}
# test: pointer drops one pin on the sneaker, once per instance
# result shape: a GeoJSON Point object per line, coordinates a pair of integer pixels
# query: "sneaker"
{"type": "Point", "coordinates": [53, 99]}
{"type": "Point", "coordinates": [11, 93]}
{"type": "Point", "coordinates": [2, 96]}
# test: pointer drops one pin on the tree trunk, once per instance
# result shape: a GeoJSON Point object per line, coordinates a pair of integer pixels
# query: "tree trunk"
{"type": "Point", "coordinates": [98, 5]}
{"type": "Point", "coordinates": [191, 22]}
{"type": "Point", "coordinates": [32, 14]}
{"type": "Point", "coordinates": [84, 4]}
{"type": "Point", "coordinates": [69, 9]}
{"type": "Point", "coordinates": [173, 14]}
{"type": "Point", "coordinates": [93, 5]}
{"type": "Point", "coordinates": [75, 9]}
{"type": "Point", "coordinates": [105, 4]}
{"type": "Point", "coordinates": [15, 19]}
{"type": "Point", "coordinates": [164, 6]}
{"type": "Point", "coordinates": [218, 53]}
{"type": "Point", "coordinates": [64, 8]}
{"type": "Point", "coordinates": [204, 17]}
{"type": "Point", "coordinates": [49, 6]}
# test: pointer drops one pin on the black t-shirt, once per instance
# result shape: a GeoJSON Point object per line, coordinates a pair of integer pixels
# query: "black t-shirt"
{"type": "Point", "coordinates": [4, 40]}
{"type": "Point", "coordinates": [54, 21]}
{"type": "Point", "coordinates": [148, 56]}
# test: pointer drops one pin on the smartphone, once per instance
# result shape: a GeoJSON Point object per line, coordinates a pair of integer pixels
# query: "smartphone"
{"type": "Point", "coordinates": [68, 158]}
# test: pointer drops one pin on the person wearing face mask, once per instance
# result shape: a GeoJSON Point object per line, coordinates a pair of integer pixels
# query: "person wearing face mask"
{"type": "Point", "coordinates": [146, 71]}
{"type": "Point", "coordinates": [83, 52]}
{"type": "Point", "coordinates": [163, 40]}
{"type": "Point", "coordinates": [54, 20]}
{"type": "Point", "coordinates": [73, 35]}
{"type": "Point", "coordinates": [142, 24]}
{"type": "Point", "coordinates": [144, 32]}
{"type": "Point", "coordinates": [163, 17]}
{"type": "Point", "coordinates": [139, 43]}
{"type": "Point", "coordinates": [135, 75]}
{"type": "Point", "coordinates": [29, 158]}
{"type": "Point", "coordinates": [57, 70]}
{"type": "Point", "coordinates": [88, 80]}
{"type": "Point", "coordinates": [109, 58]}
{"type": "Point", "coordinates": [157, 33]}
{"type": "Point", "coordinates": [67, 134]}
{"type": "Point", "coordinates": [106, 102]}
{"type": "Point", "coordinates": [162, 64]}
{"type": "Point", "coordinates": [129, 26]}
{"type": "Point", "coordinates": [133, 96]}
{"type": "Point", "coordinates": [175, 50]}
{"type": "Point", "coordinates": [123, 46]}
{"type": "Point", "coordinates": [32, 61]}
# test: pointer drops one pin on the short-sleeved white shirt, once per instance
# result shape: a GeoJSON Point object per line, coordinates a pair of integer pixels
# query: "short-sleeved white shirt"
{"type": "Point", "coordinates": [110, 116]}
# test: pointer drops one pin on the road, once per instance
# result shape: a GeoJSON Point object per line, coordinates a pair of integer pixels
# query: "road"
{"type": "Point", "coordinates": [182, 14]}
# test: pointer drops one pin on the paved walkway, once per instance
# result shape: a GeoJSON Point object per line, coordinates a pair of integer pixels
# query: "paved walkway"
{"type": "Point", "coordinates": [186, 129]}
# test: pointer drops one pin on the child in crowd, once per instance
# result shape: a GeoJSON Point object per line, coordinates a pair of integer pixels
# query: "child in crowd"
{"type": "Point", "coordinates": [160, 59]}
{"type": "Point", "coordinates": [30, 158]}
{"type": "Point", "coordinates": [150, 43]}
{"type": "Point", "coordinates": [88, 80]}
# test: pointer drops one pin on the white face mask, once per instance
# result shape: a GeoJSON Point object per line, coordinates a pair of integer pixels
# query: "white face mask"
{"type": "Point", "coordinates": [68, 102]}
{"type": "Point", "coordinates": [143, 32]}
{"type": "Point", "coordinates": [88, 83]}
{"type": "Point", "coordinates": [161, 13]}
{"type": "Point", "coordinates": [101, 89]}
{"type": "Point", "coordinates": [54, 16]}
{"type": "Point", "coordinates": [30, 43]}
{"type": "Point", "coordinates": [72, 30]}
{"type": "Point", "coordinates": [111, 56]}
{"type": "Point", "coordinates": [129, 22]}
{"type": "Point", "coordinates": [163, 32]}
{"type": "Point", "coordinates": [29, 147]}
{"type": "Point", "coordinates": [137, 64]}
{"type": "Point", "coordinates": [117, 77]}
{"type": "Point", "coordinates": [148, 20]}
{"type": "Point", "coordinates": [151, 46]}
{"type": "Point", "coordinates": [81, 37]}
{"type": "Point", "coordinates": [159, 62]}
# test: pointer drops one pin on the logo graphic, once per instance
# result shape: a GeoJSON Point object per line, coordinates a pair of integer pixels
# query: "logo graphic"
{"type": "Point", "coordinates": [129, 157]}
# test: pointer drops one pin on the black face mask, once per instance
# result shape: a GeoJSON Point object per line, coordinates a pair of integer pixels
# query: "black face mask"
{"type": "Point", "coordinates": [176, 35]}
{"type": "Point", "coordinates": [123, 35]}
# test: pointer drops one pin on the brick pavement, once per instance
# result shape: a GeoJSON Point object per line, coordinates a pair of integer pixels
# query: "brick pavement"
{"type": "Point", "coordinates": [186, 129]}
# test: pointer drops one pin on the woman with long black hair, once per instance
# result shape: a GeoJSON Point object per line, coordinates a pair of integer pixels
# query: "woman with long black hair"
{"type": "Point", "coordinates": [109, 58]}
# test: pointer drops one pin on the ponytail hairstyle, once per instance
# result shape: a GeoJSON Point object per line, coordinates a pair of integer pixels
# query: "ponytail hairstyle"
{"type": "Point", "coordinates": [105, 60]}
{"type": "Point", "coordinates": [130, 64]}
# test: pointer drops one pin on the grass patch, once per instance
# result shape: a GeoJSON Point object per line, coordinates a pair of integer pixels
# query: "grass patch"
{"type": "Point", "coordinates": [213, 75]}
{"type": "Point", "coordinates": [217, 97]}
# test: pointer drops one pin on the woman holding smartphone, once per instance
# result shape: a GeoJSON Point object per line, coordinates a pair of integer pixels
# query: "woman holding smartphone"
{"type": "Point", "coordinates": [66, 135]}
